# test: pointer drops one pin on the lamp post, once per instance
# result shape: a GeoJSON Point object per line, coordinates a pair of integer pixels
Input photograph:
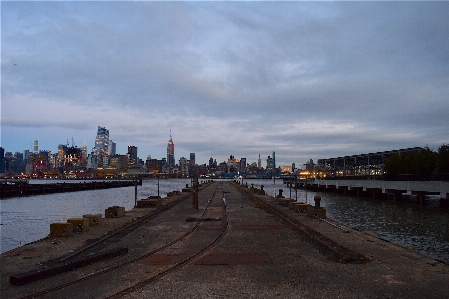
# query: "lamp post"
{"type": "Point", "coordinates": [242, 190]}
{"type": "Point", "coordinates": [135, 190]}
{"type": "Point", "coordinates": [296, 187]}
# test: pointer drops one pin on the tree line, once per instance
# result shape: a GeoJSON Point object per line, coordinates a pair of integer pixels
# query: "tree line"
{"type": "Point", "coordinates": [425, 164]}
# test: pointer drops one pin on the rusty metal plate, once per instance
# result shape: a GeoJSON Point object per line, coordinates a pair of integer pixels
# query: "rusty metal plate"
{"type": "Point", "coordinates": [234, 259]}
{"type": "Point", "coordinates": [257, 227]}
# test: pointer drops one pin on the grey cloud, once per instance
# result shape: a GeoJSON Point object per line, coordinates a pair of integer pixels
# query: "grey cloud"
{"type": "Point", "coordinates": [378, 71]}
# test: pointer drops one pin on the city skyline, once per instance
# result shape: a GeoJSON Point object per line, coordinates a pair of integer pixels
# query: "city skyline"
{"type": "Point", "coordinates": [100, 144]}
{"type": "Point", "coordinates": [307, 80]}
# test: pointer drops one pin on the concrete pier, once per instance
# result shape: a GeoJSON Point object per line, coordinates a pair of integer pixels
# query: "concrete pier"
{"type": "Point", "coordinates": [27, 189]}
{"type": "Point", "coordinates": [260, 256]}
{"type": "Point", "coordinates": [379, 189]}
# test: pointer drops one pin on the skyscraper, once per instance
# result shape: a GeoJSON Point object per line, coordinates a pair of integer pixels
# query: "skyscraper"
{"type": "Point", "coordinates": [170, 152]}
{"type": "Point", "coordinates": [102, 142]}
{"type": "Point", "coordinates": [192, 159]}
{"type": "Point", "coordinates": [112, 148]}
{"type": "Point", "coordinates": [270, 165]}
{"type": "Point", "coordinates": [2, 160]}
{"type": "Point", "coordinates": [274, 161]}
{"type": "Point", "coordinates": [132, 154]}
{"type": "Point", "coordinates": [36, 147]}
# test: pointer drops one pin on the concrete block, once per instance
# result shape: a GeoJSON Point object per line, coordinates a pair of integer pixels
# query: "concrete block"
{"type": "Point", "coordinates": [301, 207]}
{"type": "Point", "coordinates": [94, 219]}
{"type": "Point", "coordinates": [149, 203]}
{"type": "Point", "coordinates": [114, 212]}
{"type": "Point", "coordinates": [291, 204]}
{"type": "Point", "coordinates": [316, 211]}
{"type": "Point", "coordinates": [285, 202]}
{"type": "Point", "coordinates": [79, 224]}
{"type": "Point", "coordinates": [61, 230]}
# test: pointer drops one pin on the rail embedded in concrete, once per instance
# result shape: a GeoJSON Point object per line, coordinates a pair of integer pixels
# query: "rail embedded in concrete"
{"type": "Point", "coordinates": [430, 187]}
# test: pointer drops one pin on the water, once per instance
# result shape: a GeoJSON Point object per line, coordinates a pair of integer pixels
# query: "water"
{"type": "Point", "coordinates": [27, 219]}
{"type": "Point", "coordinates": [423, 228]}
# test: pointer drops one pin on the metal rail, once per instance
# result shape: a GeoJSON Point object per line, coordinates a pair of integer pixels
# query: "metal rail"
{"type": "Point", "coordinates": [155, 277]}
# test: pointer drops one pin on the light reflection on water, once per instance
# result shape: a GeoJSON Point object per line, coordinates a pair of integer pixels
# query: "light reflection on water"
{"type": "Point", "coordinates": [423, 228]}
{"type": "Point", "coordinates": [27, 219]}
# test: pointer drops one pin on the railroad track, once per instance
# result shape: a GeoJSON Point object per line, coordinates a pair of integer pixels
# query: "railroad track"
{"type": "Point", "coordinates": [340, 253]}
{"type": "Point", "coordinates": [114, 266]}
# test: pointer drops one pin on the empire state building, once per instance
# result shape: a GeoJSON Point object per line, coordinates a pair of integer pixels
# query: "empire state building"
{"type": "Point", "coordinates": [170, 152]}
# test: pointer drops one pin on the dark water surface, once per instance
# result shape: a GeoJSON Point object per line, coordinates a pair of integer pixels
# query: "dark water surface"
{"type": "Point", "coordinates": [423, 228]}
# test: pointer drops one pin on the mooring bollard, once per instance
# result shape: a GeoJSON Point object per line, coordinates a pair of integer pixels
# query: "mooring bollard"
{"type": "Point", "coordinates": [317, 200]}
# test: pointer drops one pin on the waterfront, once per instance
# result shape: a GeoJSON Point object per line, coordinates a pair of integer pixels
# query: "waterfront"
{"type": "Point", "coordinates": [423, 228]}
{"type": "Point", "coordinates": [27, 219]}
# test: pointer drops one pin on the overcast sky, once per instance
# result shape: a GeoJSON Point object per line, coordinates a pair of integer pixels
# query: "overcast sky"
{"type": "Point", "coordinates": [307, 80]}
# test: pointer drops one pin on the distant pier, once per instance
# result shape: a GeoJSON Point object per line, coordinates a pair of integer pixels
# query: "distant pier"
{"type": "Point", "coordinates": [24, 188]}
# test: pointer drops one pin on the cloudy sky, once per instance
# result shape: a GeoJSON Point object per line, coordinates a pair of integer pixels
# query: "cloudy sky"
{"type": "Point", "coordinates": [307, 80]}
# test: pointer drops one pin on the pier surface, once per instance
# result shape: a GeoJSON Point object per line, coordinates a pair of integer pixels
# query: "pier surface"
{"type": "Point", "coordinates": [259, 254]}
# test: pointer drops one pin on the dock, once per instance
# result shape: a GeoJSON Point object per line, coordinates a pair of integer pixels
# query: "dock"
{"type": "Point", "coordinates": [24, 188]}
{"type": "Point", "coordinates": [239, 243]}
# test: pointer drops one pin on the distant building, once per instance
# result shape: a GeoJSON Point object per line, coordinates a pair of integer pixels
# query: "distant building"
{"type": "Point", "coordinates": [259, 163]}
{"type": "Point", "coordinates": [112, 148]}
{"type": "Point", "coordinates": [192, 159]}
{"type": "Point", "coordinates": [286, 169]}
{"type": "Point", "coordinates": [243, 166]}
{"type": "Point", "coordinates": [170, 153]}
{"type": "Point", "coordinates": [91, 162]}
{"type": "Point", "coordinates": [102, 142]}
{"type": "Point", "coordinates": [84, 151]}
{"type": "Point", "coordinates": [310, 166]}
{"type": "Point", "coordinates": [270, 164]}
{"type": "Point", "coordinates": [119, 162]}
{"type": "Point", "coordinates": [274, 161]}
{"type": "Point", "coordinates": [183, 167]}
{"type": "Point", "coordinates": [26, 156]}
{"type": "Point", "coordinates": [132, 154]}
{"type": "Point", "coordinates": [36, 147]}
{"type": "Point", "coordinates": [2, 160]}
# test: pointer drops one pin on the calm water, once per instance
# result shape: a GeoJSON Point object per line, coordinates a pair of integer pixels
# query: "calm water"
{"type": "Point", "coordinates": [27, 219]}
{"type": "Point", "coordinates": [423, 228]}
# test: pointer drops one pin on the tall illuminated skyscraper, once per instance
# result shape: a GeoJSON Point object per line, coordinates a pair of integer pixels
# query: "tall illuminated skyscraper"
{"type": "Point", "coordinates": [36, 147]}
{"type": "Point", "coordinates": [102, 142]}
{"type": "Point", "coordinates": [171, 152]}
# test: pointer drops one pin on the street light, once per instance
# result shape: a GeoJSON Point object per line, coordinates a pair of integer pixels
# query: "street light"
{"type": "Point", "coordinates": [242, 190]}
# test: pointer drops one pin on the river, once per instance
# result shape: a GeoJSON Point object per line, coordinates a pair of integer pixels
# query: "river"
{"type": "Point", "coordinates": [422, 228]}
